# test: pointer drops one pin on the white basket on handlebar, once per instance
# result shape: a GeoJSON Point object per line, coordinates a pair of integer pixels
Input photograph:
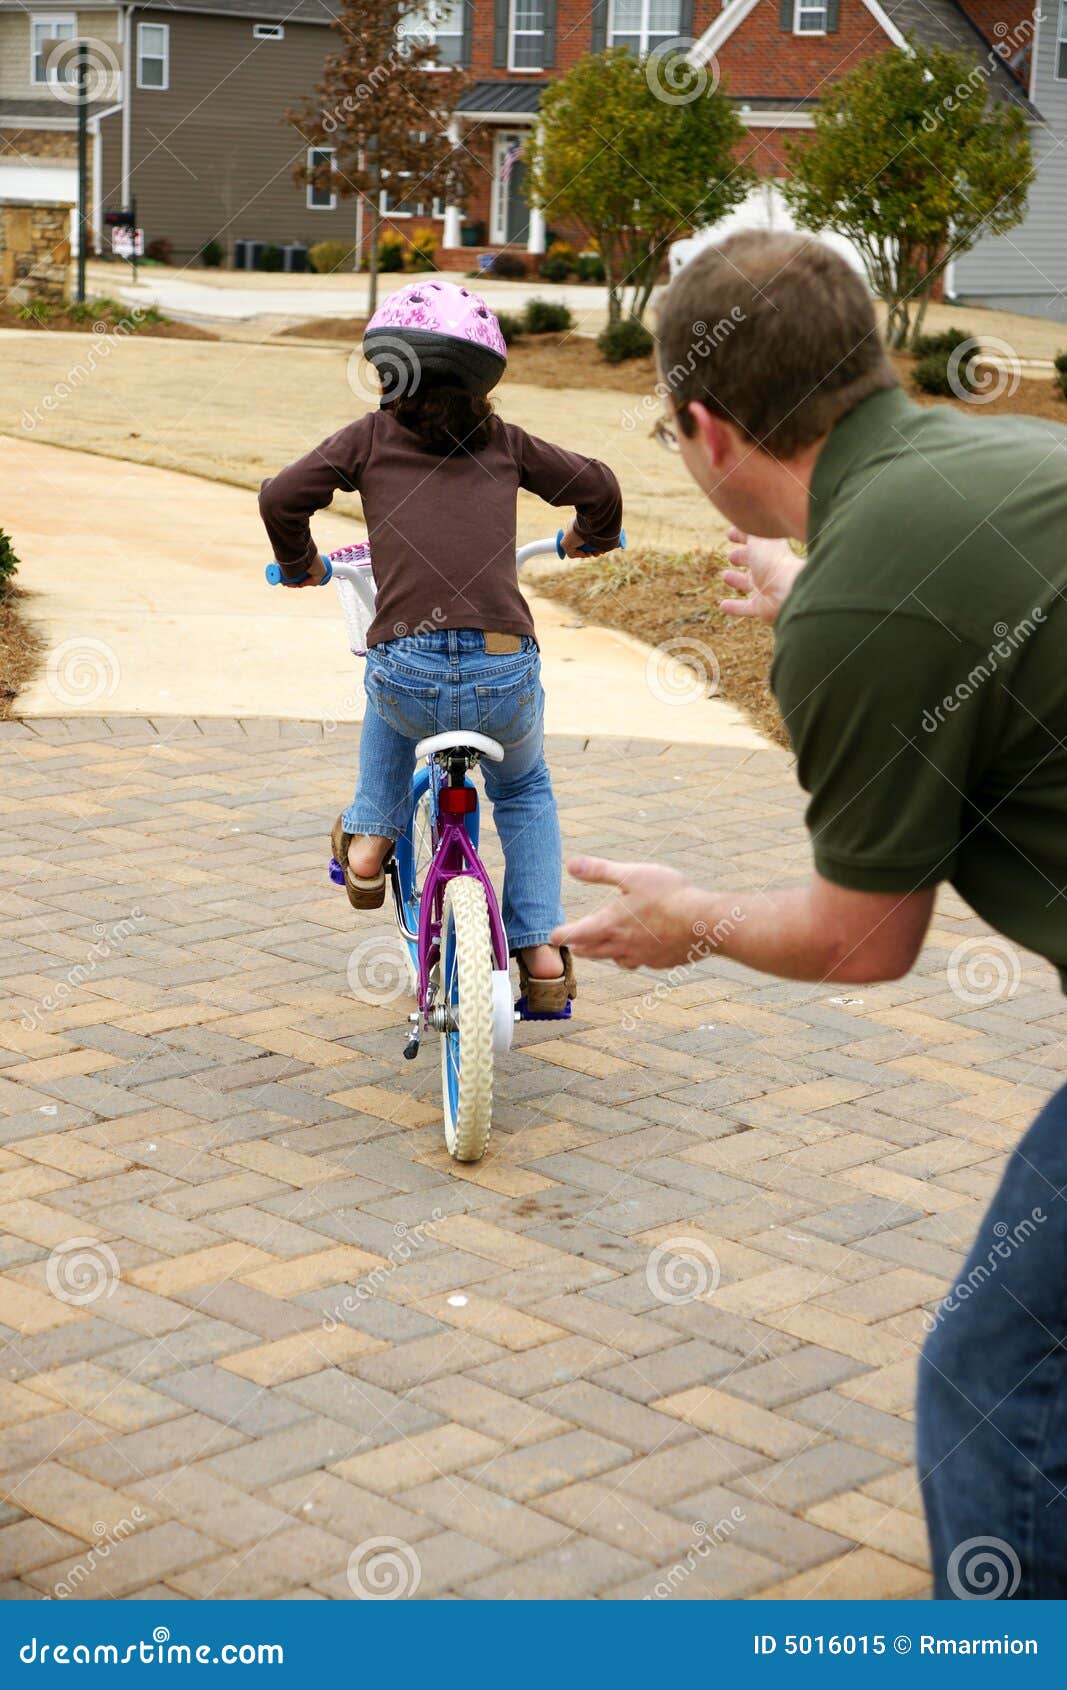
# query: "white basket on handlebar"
{"type": "Point", "coordinates": [355, 586]}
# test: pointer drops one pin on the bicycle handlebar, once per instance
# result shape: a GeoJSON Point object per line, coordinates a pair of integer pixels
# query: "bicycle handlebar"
{"type": "Point", "coordinates": [536, 548]}
{"type": "Point", "coordinates": [275, 578]}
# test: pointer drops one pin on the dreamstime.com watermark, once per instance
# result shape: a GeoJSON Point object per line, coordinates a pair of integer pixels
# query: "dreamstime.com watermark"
{"type": "Point", "coordinates": [109, 941]}
{"type": "Point", "coordinates": [706, 339]}
{"type": "Point", "coordinates": [105, 1540]}
{"type": "Point", "coordinates": [415, 35]}
{"type": "Point", "coordinates": [982, 971]}
{"type": "Point", "coordinates": [706, 1539]}
{"type": "Point", "coordinates": [409, 1240]}
{"type": "Point", "coordinates": [105, 337]}
{"type": "Point", "coordinates": [1012, 40]}
{"type": "Point", "coordinates": [704, 945]}
{"type": "Point", "coordinates": [1008, 1240]}
{"type": "Point", "coordinates": [158, 1650]}
{"type": "Point", "coordinates": [1006, 641]}
{"type": "Point", "coordinates": [984, 1569]}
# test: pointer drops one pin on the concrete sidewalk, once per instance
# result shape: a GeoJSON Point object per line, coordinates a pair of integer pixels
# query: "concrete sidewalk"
{"type": "Point", "coordinates": [148, 587]}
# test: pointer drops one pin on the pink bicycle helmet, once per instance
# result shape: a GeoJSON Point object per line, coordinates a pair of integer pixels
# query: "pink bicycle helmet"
{"type": "Point", "coordinates": [438, 330]}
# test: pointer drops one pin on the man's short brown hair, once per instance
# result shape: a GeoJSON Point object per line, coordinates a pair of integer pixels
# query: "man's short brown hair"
{"type": "Point", "coordinates": [774, 333]}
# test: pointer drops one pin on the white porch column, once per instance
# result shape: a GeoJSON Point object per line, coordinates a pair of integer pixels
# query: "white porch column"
{"type": "Point", "coordinates": [450, 235]}
{"type": "Point", "coordinates": [535, 240]}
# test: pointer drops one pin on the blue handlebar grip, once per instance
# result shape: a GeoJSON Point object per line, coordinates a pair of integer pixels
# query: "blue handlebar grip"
{"type": "Point", "coordinates": [275, 577]}
{"type": "Point", "coordinates": [587, 551]}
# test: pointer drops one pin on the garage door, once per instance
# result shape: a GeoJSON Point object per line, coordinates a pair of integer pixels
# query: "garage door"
{"type": "Point", "coordinates": [764, 208]}
{"type": "Point", "coordinates": [24, 181]}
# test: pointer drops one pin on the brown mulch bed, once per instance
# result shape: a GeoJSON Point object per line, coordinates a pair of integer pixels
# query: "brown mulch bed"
{"type": "Point", "coordinates": [541, 360]}
{"type": "Point", "coordinates": [153, 327]}
{"type": "Point", "coordinates": [20, 649]}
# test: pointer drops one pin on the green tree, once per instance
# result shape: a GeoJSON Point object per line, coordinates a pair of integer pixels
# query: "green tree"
{"type": "Point", "coordinates": [377, 121]}
{"type": "Point", "coordinates": [912, 161]}
{"type": "Point", "coordinates": [635, 152]}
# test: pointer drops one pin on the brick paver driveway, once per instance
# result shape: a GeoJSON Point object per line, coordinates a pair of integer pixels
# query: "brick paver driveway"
{"type": "Point", "coordinates": [260, 1338]}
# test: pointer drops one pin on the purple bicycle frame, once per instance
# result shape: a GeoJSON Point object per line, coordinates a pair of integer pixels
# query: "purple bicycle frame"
{"type": "Point", "coordinates": [454, 853]}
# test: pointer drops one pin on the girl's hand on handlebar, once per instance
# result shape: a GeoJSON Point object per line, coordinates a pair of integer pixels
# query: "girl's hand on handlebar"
{"type": "Point", "coordinates": [765, 573]}
{"type": "Point", "coordinates": [572, 544]}
{"type": "Point", "coordinates": [315, 576]}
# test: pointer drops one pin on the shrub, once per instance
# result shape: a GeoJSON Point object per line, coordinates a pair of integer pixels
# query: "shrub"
{"type": "Point", "coordinates": [327, 256]}
{"type": "Point", "coordinates": [556, 269]}
{"type": "Point", "coordinates": [422, 251]}
{"type": "Point", "coordinates": [546, 316]}
{"type": "Point", "coordinates": [391, 251]}
{"type": "Point", "coordinates": [38, 311]}
{"type": "Point", "coordinates": [947, 341]}
{"type": "Point", "coordinates": [590, 267]}
{"type": "Point", "coordinates": [9, 563]}
{"type": "Point", "coordinates": [625, 339]}
{"type": "Point", "coordinates": [508, 266]}
{"type": "Point", "coordinates": [270, 257]}
{"type": "Point", "coordinates": [161, 251]}
{"type": "Point", "coordinates": [212, 255]}
{"type": "Point", "coordinates": [933, 375]}
{"type": "Point", "coordinates": [511, 327]}
{"type": "Point", "coordinates": [1059, 364]}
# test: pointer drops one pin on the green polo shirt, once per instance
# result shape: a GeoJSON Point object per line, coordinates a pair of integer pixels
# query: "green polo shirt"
{"type": "Point", "coordinates": [921, 661]}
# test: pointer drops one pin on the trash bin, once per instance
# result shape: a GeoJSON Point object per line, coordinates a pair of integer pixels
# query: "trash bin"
{"type": "Point", "coordinates": [294, 256]}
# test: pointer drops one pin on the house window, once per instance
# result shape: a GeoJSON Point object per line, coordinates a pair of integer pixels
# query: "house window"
{"type": "Point", "coordinates": [809, 18]}
{"type": "Point", "coordinates": [526, 35]}
{"type": "Point", "coordinates": [269, 31]}
{"type": "Point", "coordinates": [318, 198]}
{"type": "Point", "coordinates": [52, 28]}
{"type": "Point", "coordinates": [441, 21]}
{"type": "Point", "coordinates": [644, 24]}
{"type": "Point", "coordinates": [1061, 44]}
{"type": "Point", "coordinates": [153, 55]}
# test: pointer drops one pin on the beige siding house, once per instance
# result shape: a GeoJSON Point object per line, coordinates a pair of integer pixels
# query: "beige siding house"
{"type": "Point", "coordinates": [186, 117]}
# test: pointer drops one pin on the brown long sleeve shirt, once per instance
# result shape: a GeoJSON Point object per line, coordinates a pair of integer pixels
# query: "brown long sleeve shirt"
{"type": "Point", "coordinates": [442, 530]}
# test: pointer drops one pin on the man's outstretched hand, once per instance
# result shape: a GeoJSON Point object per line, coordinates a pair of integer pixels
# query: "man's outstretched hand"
{"type": "Point", "coordinates": [765, 572]}
{"type": "Point", "coordinates": [653, 923]}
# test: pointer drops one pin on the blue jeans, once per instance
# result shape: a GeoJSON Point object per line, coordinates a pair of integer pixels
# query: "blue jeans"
{"type": "Point", "coordinates": [993, 1389]}
{"type": "Point", "coordinates": [434, 683]}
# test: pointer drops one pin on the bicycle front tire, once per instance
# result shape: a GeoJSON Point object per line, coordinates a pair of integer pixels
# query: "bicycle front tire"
{"type": "Point", "coordinates": [467, 991]}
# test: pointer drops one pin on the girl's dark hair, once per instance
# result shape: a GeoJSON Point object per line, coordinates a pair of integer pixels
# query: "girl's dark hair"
{"type": "Point", "coordinates": [445, 419]}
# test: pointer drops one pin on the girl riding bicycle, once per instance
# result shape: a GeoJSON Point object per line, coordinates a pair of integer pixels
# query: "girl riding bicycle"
{"type": "Point", "coordinates": [452, 644]}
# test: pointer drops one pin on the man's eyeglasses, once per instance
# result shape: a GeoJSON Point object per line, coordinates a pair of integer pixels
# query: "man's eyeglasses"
{"type": "Point", "coordinates": [666, 434]}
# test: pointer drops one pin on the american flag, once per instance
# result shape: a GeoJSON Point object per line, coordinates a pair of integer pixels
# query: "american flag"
{"type": "Point", "coordinates": [509, 161]}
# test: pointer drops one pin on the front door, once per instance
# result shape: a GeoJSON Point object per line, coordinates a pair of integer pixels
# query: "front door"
{"type": "Point", "coordinates": [512, 221]}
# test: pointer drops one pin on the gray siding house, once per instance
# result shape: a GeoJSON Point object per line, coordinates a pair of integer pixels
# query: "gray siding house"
{"type": "Point", "coordinates": [186, 117]}
{"type": "Point", "coordinates": [1026, 271]}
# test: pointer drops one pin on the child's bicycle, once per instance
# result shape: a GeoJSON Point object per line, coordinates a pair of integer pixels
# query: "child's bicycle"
{"type": "Point", "coordinates": [445, 904]}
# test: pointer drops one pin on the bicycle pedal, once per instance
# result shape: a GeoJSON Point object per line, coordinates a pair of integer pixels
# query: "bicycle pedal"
{"type": "Point", "coordinates": [525, 1013]}
{"type": "Point", "coordinates": [337, 873]}
{"type": "Point", "coordinates": [411, 1049]}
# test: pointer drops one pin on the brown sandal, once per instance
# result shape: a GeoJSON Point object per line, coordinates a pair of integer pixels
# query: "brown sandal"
{"type": "Point", "coordinates": [362, 894]}
{"type": "Point", "coordinates": [547, 999]}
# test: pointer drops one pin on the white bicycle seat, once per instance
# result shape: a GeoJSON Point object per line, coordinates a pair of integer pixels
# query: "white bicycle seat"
{"type": "Point", "coordinates": [462, 740]}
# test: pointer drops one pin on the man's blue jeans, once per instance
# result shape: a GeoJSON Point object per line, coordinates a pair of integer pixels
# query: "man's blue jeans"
{"type": "Point", "coordinates": [436, 682]}
{"type": "Point", "coordinates": [993, 1389]}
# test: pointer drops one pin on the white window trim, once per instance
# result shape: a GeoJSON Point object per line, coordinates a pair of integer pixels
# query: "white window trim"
{"type": "Point", "coordinates": [523, 70]}
{"type": "Point", "coordinates": [446, 35]}
{"type": "Point", "coordinates": [643, 33]}
{"type": "Point", "coordinates": [268, 31]}
{"type": "Point", "coordinates": [808, 6]}
{"type": "Point", "coordinates": [52, 18]}
{"type": "Point", "coordinates": [154, 87]}
{"type": "Point", "coordinates": [1061, 41]}
{"type": "Point", "coordinates": [312, 189]}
